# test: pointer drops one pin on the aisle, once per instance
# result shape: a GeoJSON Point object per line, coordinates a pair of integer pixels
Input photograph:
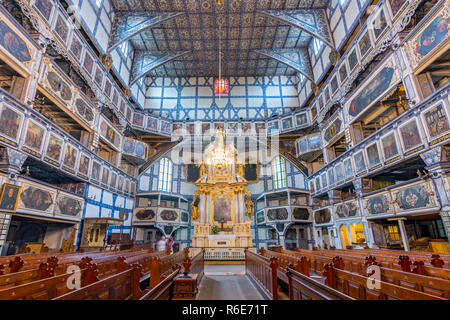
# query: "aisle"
{"type": "Point", "coordinates": [227, 282]}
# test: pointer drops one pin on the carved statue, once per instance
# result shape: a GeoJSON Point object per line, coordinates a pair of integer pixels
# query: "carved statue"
{"type": "Point", "coordinates": [195, 212]}
{"type": "Point", "coordinates": [249, 206]}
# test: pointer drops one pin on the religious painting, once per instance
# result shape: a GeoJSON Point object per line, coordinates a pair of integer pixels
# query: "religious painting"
{"type": "Point", "coordinates": [352, 59]}
{"type": "Point", "coordinates": [378, 205]}
{"type": "Point", "coordinates": [128, 146]}
{"type": "Point", "coordinates": [390, 148]}
{"type": "Point", "coordinates": [314, 142]}
{"type": "Point", "coordinates": [222, 209]}
{"type": "Point", "coordinates": [9, 197]}
{"type": "Point", "coordinates": [300, 213]}
{"type": "Point", "coordinates": [360, 164]}
{"type": "Point", "coordinates": [44, 7]}
{"type": "Point", "coordinates": [326, 94]}
{"type": "Point", "coordinates": [190, 127]}
{"type": "Point", "coordinates": [302, 146]}
{"type": "Point", "coordinates": [10, 121]}
{"type": "Point", "coordinates": [69, 206]}
{"type": "Point", "coordinates": [339, 170]}
{"type": "Point", "coordinates": [113, 181]}
{"type": "Point", "coordinates": [109, 133]}
{"type": "Point", "coordinates": [301, 119]}
{"type": "Point", "coordinates": [348, 168]}
{"type": "Point", "coordinates": [165, 127]}
{"type": "Point", "coordinates": [36, 198]}
{"type": "Point", "coordinates": [105, 175]}
{"type": "Point", "coordinates": [34, 137]}
{"type": "Point", "coordinates": [432, 35]}
{"type": "Point", "coordinates": [317, 182]}
{"type": "Point", "coordinates": [313, 112]}
{"type": "Point", "coordinates": [410, 135]}
{"type": "Point", "coordinates": [169, 215]}
{"type": "Point", "coordinates": [311, 186]}
{"type": "Point", "coordinates": [346, 210]}
{"type": "Point", "coordinates": [396, 5]}
{"type": "Point", "coordinates": [232, 128]}
{"type": "Point", "coordinates": [373, 89]}
{"type": "Point", "coordinates": [54, 148]}
{"type": "Point", "coordinates": [120, 183]}
{"type": "Point", "coordinates": [287, 123]}
{"type": "Point", "coordinates": [205, 128]}
{"type": "Point", "coordinates": [334, 84]}
{"type": "Point", "coordinates": [413, 197]}
{"type": "Point", "coordinates": [333, 129]}
{"type": "Point", "coordinates": [88, 63]}
{"type": "Point", "coordinates": [76, 46]}
{"type": "Point", "coordinates": [277, 214]}
{"type": "Point", "coordinates": [84, 110]}
{"type": "Point", "coordinates": [373, 156]}
{"type": "Point", "coordinates": [70, 157]}
{"type": "Point", "coordinates": [379, 24]}
{"type": "Point", "coordinates": [138, 119]}
{"type": "Point", "coordinates": [61, 28]}
{"type": "Point", "coordinates": [246, 128]}
{"type": "Point", "coordinates": [13, 43]}
{"type": "Point", "coordinates": [177, 128]}
{"type": "Point", "coordinates": [129, 111]}
{"type": "Point", "coordinates": [260, 217]}
{"type": "Point", "coordinates": [108, 87]}
{"type": "Point", "coordinates": [343, 72]}
{"type": "Point", "coordinates": [323, 178]}
{"type": "Point", "coordinates": [59, 86]}
{"type": "Point", "coordinates": [330, 174]}
{"type": "Point", "coordinates": [152, 123]}
{"type": "Point", "coordinates": [115, 100]}
{"type": "Point", "coordinates": [364, 44]}
{"type": "Point", "coordinates": [145, 214]}
{"type": "Point", "coordinates": [83, 167]}
{"type": "Point", "coordinates": [322, 216]}
{"type": "Point", "coordinates": [320, 102]}
{"type": "Point", "coordinates": [95, 174]}
{"type": "Point", "coordinates": [273, 126]}
{"type": "Point", "coordinates": [140, 149]}
{"type": "Point", "coordinates": [436, 121]}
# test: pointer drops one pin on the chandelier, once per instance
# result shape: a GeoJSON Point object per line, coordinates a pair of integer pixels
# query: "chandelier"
{"type": "Point", "coordinates": [219, 155]}
{"type": "Point", "coordinates": [221, 84]}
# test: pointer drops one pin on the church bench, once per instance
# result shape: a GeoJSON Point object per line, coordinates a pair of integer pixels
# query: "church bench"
{"type": "Point", "coordinates": [263, 271]}
{"type": "Point", "coordinates": [160, 267]}
{"type": "Point", "coordinates": [198, 264]}
{"type": "Point", "coordinates": [163, 290]}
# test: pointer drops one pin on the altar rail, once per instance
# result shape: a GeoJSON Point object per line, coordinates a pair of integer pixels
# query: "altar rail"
{"type": "Point", "coordinates": [222, 253]}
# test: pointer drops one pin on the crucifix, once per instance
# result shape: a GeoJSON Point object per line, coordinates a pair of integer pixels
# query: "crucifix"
{"type": "Point", "coordinates": [222, 221]}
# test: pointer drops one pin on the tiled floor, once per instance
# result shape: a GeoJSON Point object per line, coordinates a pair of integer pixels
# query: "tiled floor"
{"type": "Point", "coordinates": [227, 288]}
{"type": "Point", "coordinates": [224, 269]}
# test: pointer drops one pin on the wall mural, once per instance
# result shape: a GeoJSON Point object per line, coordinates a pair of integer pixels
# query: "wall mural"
{"type": "Point", "coordinates": [277, 214]}
{"type": "Point", "coordinates": [322, 216]}
{"type": "Point", "coordinates": [375, 87]}
{"type": "Point", "coordinates": [169, 215]}
{"type": "Point", "coordinates": [13, 43]}
{"type": "Point", "coordinates": [347, 210]}
{"type": "Point", "coordinates": [10, 121]}
{"type": "Point", "coordinates": [300, 213]}
{"type": "Point", "coordinates": [68, 206]}
{"type": "Point", "coordinates": [36, 198]}
{"type": "Point", "coordinates": [378, 204]}
{"type": "Point", "coordinates": [145, 214]}
{"type": "Point", "coordinates": [413, 197]}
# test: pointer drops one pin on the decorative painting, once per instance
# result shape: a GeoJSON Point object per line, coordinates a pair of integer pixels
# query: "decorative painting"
{"type": "Point", "coordinates": [330, 174]}
{"type": "Point", "coordinates": [59, 86]}
{"type": "Point", "coordinates": [352, 59]}
{"type": "Point", "coordinates": [120, 183]}
{"type": "Point", "coordinates": [301, 119]}
{"type": "Point", "coordinates": [436, 121]}
{"type": "Point", "coordinates": [44, 7]}
{"type": "Point", "coordinates": [128, 146]}
{"type": "Point", "coordinates": [10, 122]}
{"type": "Point", "coordinates": [322, 216]}
{"type": "Point", "coordinates": [233, 128]}
{"type": "Point", "coordinates": [414, 197]}
{"type": "Point", "coordinates": [247, 127]}
{"type": "Point", "coordinates": [364, 44]}
{"type": "Point", "coordinates": [190, 127]}
{"type": "Point", "coordinates": [396, 6]}
{"type": "Point", "coordinates": [145, 214]}
{"type": "Point", "coordinates": [432, 35]}
{"type": "Point", "coordinates": [378, 204]}
{"type": "Point", "coordinates": [108, 87]}
{"type": "Point", "coordinates": [70, 156]}
{"type": "Point", "coordinates": [324, 180]}
{"type": "Point", "coordinates": [128, 116]}
{"type": "Point", "coordinates": [373, 156]}
{"type": "Point", "coordinates": [165, 127]}
{"type": "Point", "coordinates": [390, 148]}
{"type": "Point", "coordinates": [95, 174]}
{"type": "Point", "coordinates": [36, 198]}
{"type": "Point", "coordinates": [410, 135]}
{"type": "Point", "coordinates": [105, 176]}
{"type": "Point", "coordinates": [169, 215]}
{"type": "Point", "coordinates": [339, 170]}
{"type": "Point", "coordinates": [205, 128]}
{"type": "Point", "coordinates": [313, 112]}
{"type": "Point", "coordinates": [314, 142]}
{"type": "Point", "coordinates": [334, 84]}
{"type": "Point", "coordinates": [287, 123]}
{"type": "Point", "coordinates": [109, 133]}
{"type": "Point", "coordinates": [260, 217]}
{"type": "Point", "coordinates": [348, 168]}
{"type": "Point", "coordinates": [115, 100]}
{"type": "Point", "coordinates": [332, 130]}
{"type": "Point", "coordinates": [273, 126]}
{"type": "Point", "coordinates": [374, 88]}
{"type": "Point", "coordinates": [317, 182]}
{"type": "Point", "coordinates": [152, 124]}
{"type": "Point", "coordinates": [346, 210]}
{"type": "Point", "coordinates": [138, 119]}
{"type": "Point", "coordinates": [84, 110]}
{"type": "Point", "coordinates": [300, 213]}
{"type": "Point", "coordinates": [34, 138]}
{"type": "Point", "coordinates": [76, 46]}
{"type": "Point", "coordinates": [61, 28]}
{"type": "Point", "coordinates": [141, 149]}
{"type": "Point", "coordinates": [9, 197]}
{"type": "Point", "coordinates": [83, 167]}
{"type": "Point", "coordinates": [379, 24]}
{"type": "Point", "coordinates": [326, 94]}
{"type": "Point", "coordinates": [360, 164]}
{"type": "Point", "coordinates": [68, 206]}
{"type": "Point", "coordinates": [88, 63]}
{"type": "Point", "coordinates": [343, 72]}
{"type": "Point", "coordinates": [113, 181]}
{"type": "Point", "coordinates": [302, 146]}
{"type": "Point", "coordinates": [98, 76]}
{"type": "Point", "coordinates": [277, 214]}
{"type": "Point", "coordinates": [54, 148]}
{"type": "Point", "coordinates": [13, 43]}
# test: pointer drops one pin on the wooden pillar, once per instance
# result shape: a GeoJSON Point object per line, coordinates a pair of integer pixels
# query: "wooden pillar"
{"type": "Point", "coordinates": [401, 225]}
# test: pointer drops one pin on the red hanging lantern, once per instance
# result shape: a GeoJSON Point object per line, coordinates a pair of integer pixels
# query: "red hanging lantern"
{"type": "Point", "coordinates": [221, 86]}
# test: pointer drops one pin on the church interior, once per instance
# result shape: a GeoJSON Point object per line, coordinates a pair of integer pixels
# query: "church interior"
{"type": "Point", "coordinates": [224, 149]}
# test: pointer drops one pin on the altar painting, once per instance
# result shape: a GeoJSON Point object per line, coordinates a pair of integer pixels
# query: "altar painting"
{"type": "Point", "coordinates": [222, 209]}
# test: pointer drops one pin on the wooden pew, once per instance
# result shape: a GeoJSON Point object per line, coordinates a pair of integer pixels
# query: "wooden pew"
{"type": "Point", "coordinates": [163, 290]}
{"type": "Point", "coordinates": [263, 271]}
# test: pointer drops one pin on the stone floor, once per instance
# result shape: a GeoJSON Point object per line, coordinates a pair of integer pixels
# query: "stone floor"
{"type": "Point", "coordinates": [224, 269]}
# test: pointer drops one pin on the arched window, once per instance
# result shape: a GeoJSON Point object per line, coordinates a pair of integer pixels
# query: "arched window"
{"type": "Point", "coordinates": [165, 175]}
{"type": "Point", "coordinates": [279, 172]}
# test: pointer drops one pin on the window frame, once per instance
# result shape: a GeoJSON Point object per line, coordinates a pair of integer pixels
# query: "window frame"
{"type": "Point", "coordinates": [279, 173]}
{"type": "Point", "coordinates": [165, 175]}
